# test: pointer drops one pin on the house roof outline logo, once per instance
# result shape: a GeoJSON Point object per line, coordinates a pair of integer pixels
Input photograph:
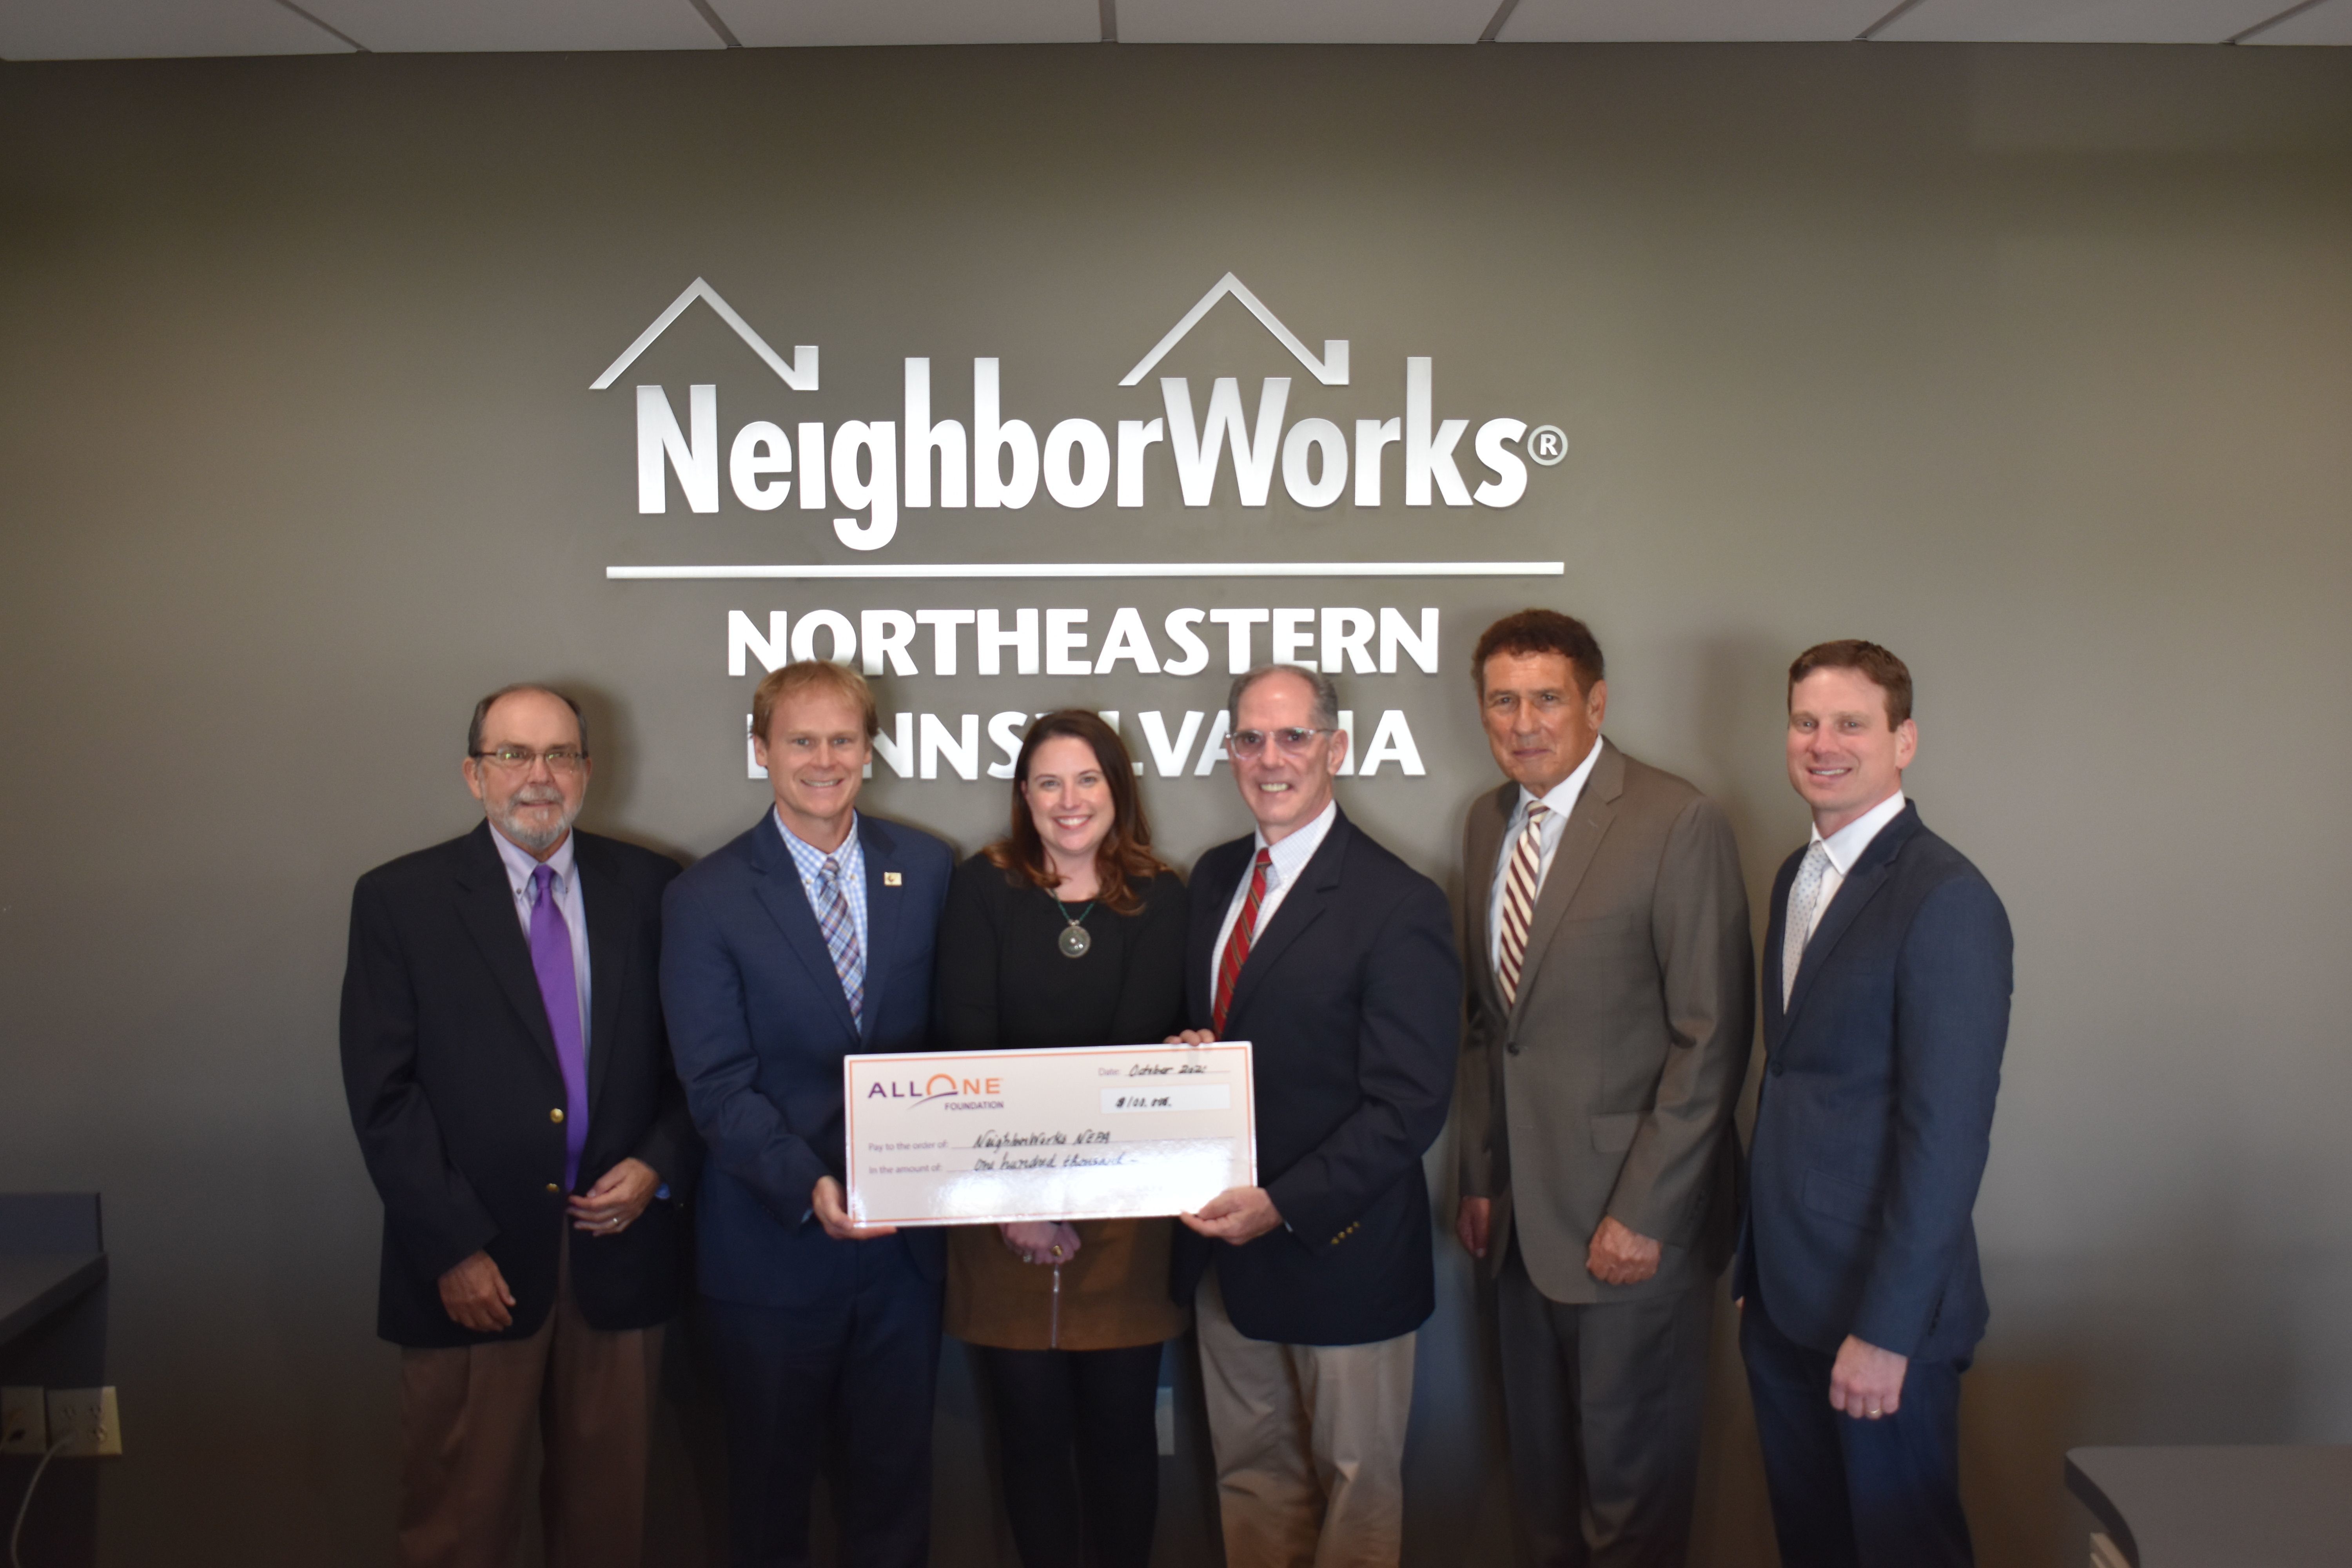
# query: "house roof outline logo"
{"type": "Point", "coordinates": [1331, 370]}
{"type": "Point", "coordinates": [799, 373]}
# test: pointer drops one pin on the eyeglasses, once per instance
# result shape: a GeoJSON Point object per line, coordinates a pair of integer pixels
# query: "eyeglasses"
{"type": "Point", "coordinates": [517, 759]}
{"type": "Point", "coordinates": [1250, 742]}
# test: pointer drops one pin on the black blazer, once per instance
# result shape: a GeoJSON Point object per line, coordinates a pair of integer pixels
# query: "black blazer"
{"type": "Point", "coordinates": [450, 1069]}
{"type": "Point", "coordinates": [1876, 1111]}
{"type": "Point", "coordinates": [1352, 998]}
{"type": "Point", "coordinates": [761, 1023]}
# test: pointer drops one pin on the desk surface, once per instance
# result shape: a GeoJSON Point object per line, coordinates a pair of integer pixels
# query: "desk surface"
{"type": "Point", "coordinates": [34, 1285]}
{"type": "Point", "coordinates": [2251, 1507]}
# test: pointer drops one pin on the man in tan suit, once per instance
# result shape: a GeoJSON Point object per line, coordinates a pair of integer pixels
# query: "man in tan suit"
{"type": "Point", "coordinates": [1611, 1001]}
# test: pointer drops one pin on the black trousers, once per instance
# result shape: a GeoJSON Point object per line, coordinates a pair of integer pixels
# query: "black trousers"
{"type": "Point", "coordinates": [1081, 1452]}
{"type": "Point", "coordinates": [1603, 1403]}
{"type": "Point", "coordinates": [847, 1378]}
{"type": "Point", "coordinates": [1850, 1494]}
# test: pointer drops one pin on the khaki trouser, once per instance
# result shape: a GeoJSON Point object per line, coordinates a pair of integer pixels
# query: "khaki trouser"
{"type": "Point", "coordinates": [466, 1415]}
{"type": "Point", "coordinates": [1309, 1443]}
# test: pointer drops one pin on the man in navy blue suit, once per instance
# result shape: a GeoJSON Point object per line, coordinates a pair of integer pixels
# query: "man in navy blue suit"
{"type": "Point", "coordinates": [1886, 987]}
{"type": "Point", "coordinates": [805, 939]}
{"type": "Point", "coordinates": [1336, 960]}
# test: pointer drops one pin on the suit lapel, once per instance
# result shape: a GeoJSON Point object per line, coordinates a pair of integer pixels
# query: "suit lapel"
{"type": "Point", "coordinates": [487, 902]}
{"type": "Point", "coordinates": [1490, 817]}
{"type": "Point", "coordinates": [883, 902]}
{"type": "Point", "coordinates": [1596, 809]}
{"type": "Point", "coordinates": [1301, 908]}
{"type": "Point", "coordinates": [1869, 874]}
{"type": "Point", "coordinates": [1215, 878]}
{"type": "Point", "coordinates": [608, 960]}
{"type": "Point", "coordinates": [1775, 926]}
{"type": "Point", "coordinates": [786, 901]}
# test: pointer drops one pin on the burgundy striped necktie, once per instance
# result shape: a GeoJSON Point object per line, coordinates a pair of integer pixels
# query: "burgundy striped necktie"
{"type": "Point", "coordinates": [1237, 946]}
{"type": "Point", "coordinates": [1521, 882]}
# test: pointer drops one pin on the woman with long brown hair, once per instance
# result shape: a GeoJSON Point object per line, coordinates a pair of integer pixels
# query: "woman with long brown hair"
{"type": "Point", "coordinates": [1068, 931]}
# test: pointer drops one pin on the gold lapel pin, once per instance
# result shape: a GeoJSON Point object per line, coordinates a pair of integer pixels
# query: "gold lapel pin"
{"type": "Point", "coordinates": [890, 879]}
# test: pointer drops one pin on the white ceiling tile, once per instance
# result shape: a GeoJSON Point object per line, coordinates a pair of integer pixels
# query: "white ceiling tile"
{"type": "Point", "coordinates": [456, 27]}
{"type": "Point", "coordinates": [156, 29]}
{"type": "Point", "coordinates": [1689, 21]}
{"type": "Point", "coordinates": [1304, 21]}
{"type": "Point", "coordinates": [2078, 21]}
{"type": "Point", "coordinates": [2329, 22]}
{"type": "Point", "coordinates": [759, 24]}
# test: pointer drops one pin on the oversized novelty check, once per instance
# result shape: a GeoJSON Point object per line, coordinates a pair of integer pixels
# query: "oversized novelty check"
{"type": "Point", "coordinates": [1094, 1133]}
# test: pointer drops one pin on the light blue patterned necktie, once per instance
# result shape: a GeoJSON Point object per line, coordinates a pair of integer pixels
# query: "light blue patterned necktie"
{"type": "Point", "coordinates": [841, 937]}
{"type": "Point", "coordinates": [1803, 894]}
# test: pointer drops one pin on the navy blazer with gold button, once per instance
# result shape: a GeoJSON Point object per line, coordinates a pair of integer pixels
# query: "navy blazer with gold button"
{"type": "Point", "coordinates": [1351, 1000]}
{"type": "Point", "coordinates": [451, 1073]}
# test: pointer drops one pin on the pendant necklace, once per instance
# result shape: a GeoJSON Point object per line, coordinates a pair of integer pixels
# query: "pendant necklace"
{"type": "Point", "coordinates": [1074, 940]}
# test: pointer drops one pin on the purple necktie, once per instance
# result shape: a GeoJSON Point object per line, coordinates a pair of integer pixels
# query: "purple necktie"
{"type": "Point", "coordinates": [558, 988]}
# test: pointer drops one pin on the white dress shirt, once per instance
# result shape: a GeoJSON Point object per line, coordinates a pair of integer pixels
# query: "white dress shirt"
{"type": "Point", "coordinates": [520, 870]}
{"type": "Point", "coordinates": [1286, 861]}
{"type": "Point", "coordinates": [1561, 798]}
{"type": "Point", "coordinates": [1843, 847]}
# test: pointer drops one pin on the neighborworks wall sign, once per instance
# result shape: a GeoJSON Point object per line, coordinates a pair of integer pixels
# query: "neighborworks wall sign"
{"type": "Point", "coordinates": [858, 475]}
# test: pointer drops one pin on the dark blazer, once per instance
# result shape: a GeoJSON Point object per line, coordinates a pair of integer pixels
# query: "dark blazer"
{"type": "Point", "coordinates": [450, 1069]}
{"type": "Point", "coordinates": [1876, 1111]}
{"type": "Point", "coordinates": [759, 1025]}
{"type": "Point", "coordinates": [1352, 998]}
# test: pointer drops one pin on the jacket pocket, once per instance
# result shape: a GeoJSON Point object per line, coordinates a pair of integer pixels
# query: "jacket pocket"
{"type": "Point", "coordinates": [1841, 1199]}
{"type": "Point", "coordinates": [1613, 1133]}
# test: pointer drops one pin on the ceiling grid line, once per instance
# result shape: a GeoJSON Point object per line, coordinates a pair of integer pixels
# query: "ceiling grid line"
{"type": "Point", "coordinates": [1905, 9]}
{"type": "Point", "coordinates": [717, 24]}
{"type": "Point", "coordinates": [2290, 14]}
{"type": "Point", "coordinates": [137, 30]}
{"type": "Point", "coordinates": [326, 28]}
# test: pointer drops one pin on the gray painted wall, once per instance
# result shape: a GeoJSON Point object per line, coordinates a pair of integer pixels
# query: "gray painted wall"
{"type": "Point", "coordinates": [2033, 364]}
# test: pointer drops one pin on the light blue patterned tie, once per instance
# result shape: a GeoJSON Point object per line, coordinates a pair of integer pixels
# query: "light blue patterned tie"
{"type": "Point", "coordinates": [841, 937]}
{"type": "Point", "coordinates": [1803, 894]}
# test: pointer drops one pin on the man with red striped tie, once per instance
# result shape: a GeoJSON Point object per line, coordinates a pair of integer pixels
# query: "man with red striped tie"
{"type": "Point", "coordinates": [1608, 1034]}
{"type": "Point", "coordinates": [1334, 960]}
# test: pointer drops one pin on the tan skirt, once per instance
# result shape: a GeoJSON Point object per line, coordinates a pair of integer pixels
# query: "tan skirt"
{"type": "Point", "coordinates": [1113, 1294]}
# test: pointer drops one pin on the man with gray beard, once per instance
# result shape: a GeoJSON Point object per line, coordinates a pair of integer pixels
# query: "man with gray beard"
{"type": "Point", "coordinates": [510, 1081]}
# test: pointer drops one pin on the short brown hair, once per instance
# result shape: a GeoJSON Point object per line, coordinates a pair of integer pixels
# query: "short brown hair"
{"type": "Point", "coordinates": [1542, 631]}
{"type": "Point", "coordinates": [812, 674]}
{"type": "Point", "coordinates": [1123, 860]}
{"type": "Point", "coordinates": [1871, 662]}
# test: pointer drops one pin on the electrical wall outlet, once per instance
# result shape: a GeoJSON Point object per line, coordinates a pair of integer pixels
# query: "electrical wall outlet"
{"type": "Point", "coordinates": [23, 1422]}
{"type": "Point", "coordinates": [86, 1421]}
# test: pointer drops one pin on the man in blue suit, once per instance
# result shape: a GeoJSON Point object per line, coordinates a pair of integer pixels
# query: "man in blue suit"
{"type": "Point", "coordinates": [804, 941]}
{"type": "Point", "coordinates": [1886, 986]}
{"type": "Point", "coordinates": [1336, 960]}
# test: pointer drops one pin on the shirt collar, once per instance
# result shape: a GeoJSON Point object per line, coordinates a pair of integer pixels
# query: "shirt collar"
{"type": "Point", "coordinates": [1290, 857]}
{"type": "Point", "coordinates": [1562, 796]}
{"type": "Point", "coordinates": [521, 867]}
{"type": "Point", "coordinates": [807, 856]}
{"type": "Point", "coordinates": [1845, 846]}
